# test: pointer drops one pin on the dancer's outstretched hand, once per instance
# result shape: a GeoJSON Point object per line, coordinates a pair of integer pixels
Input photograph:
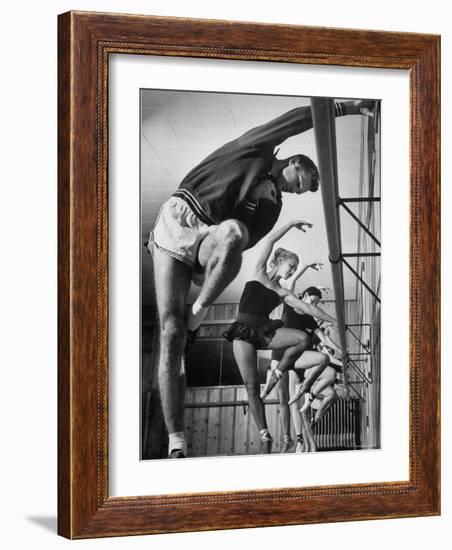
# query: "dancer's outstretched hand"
{"type": "Point", "coordinates": [325, 289]}
{"type": "Point", "coordinates": [316, 266]}
{"type": "Point", "coordinates": [300, 224]}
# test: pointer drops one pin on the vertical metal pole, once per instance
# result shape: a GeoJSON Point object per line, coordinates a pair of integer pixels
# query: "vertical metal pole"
{"type": "Point", "coordinates": [325, 137]}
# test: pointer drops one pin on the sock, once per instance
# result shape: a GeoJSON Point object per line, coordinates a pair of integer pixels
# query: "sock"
{"type": "Point", "coordinates": [177, 441]}
{"type": "Point", "coordinates": [265, 434]}
{"type": "Point", "coordinates": [196, 315]}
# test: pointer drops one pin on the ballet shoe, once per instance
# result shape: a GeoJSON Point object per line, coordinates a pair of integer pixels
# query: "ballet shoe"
{"type": "Point", "coordinates": [270, 384]}
{"type": "Point", "coordinates": [306, 403]}
{"type": "Point", "coordinates": [266, 446]}
{"type": "Point", "coordinates": [296, 396]}
{"type": "Point", "coordinates": [287, 445]}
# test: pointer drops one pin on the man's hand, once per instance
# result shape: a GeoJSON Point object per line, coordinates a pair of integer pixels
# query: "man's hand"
{"type": "Point", "coordinates": [359, 107]}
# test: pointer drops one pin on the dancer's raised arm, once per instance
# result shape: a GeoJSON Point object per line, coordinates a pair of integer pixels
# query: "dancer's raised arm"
{"type": "Point", "coordinates": [300, 271]}
{"type": "Point", "coordinates": [261, 264]}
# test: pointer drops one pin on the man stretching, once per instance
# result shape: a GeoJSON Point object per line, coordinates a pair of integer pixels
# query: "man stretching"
{"type": "Point", "coordinates": [223, 206]}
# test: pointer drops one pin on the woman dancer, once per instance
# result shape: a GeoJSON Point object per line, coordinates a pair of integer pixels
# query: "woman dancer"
{"type": "Point", "coordinates": [290, 380]}
{"type": "Point", "coordinates": [327, 387]}
{"type": "Point", "coordinates": [253, 330]}
{"type": "Point", "coordinates": [326, 391]}
{"type": "Point", "coordinates": [296, 319]}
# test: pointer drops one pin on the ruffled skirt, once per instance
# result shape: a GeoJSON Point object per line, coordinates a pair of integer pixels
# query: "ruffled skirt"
{"type": "Point", "coordinates": [260, 336]}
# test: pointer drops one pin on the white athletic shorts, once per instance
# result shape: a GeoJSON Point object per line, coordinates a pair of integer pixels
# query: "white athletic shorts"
{"type": "Point", "coordinates": [178, 232]}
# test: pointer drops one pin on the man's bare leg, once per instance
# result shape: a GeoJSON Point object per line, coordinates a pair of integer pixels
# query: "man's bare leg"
{"type": "Point", "coordinates": [220, 255]}
{"type": "Point", "coordinates": [172, 281]}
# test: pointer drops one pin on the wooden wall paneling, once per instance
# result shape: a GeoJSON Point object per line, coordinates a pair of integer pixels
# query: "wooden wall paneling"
{"type": "Point", "coordinates": [227, 422]}
{"type": "Point", "coordinates": [188, 419]}
{"type": "Point", "coordinates": [241, 424]}
{"type": "Point", "coordinates": [213, 433]}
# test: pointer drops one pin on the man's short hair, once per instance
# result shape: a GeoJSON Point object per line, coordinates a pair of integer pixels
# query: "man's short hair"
{"type": "Point", "coordinates": [307, 164]}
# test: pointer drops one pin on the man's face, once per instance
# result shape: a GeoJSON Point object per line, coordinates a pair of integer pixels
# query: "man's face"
{"type": "Point", "coordinates": [296, 179]}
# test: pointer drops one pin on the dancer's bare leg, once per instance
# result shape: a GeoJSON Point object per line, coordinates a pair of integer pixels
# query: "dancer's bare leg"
{"type": "Point", "coordinates": [308, 430]}
{"type": "Point", "coordinates": [282, 390]}
{"type": "Point", "coordinates": [329, 396]}
{"type": "Point", "coordinates": [246, 359]}
{"type": "Point", "coordinates": [295, 408]}
{"type": "Point", "coordinates": [293, 342]}
{"type": "Point", "coordinates": [326, 379]}
{"type": "Point", "coordinates": [316, 362]}
{"type": "Point", "coordinates": [305, 446]}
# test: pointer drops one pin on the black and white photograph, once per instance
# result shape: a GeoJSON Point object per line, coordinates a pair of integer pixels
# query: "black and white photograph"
{"type": "Point", "coordinates": [260, 274]}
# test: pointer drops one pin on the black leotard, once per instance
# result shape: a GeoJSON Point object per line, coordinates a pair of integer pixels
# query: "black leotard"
{"type": "Point", "coordinates": [257, 300]}
{"type": "Point", "coordinates": [253, 324]}
{"type": "Point", "coordinates": [299, 321]}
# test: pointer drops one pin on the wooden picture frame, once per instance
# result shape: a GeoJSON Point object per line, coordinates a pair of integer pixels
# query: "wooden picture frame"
{"type": "Point", "coordinates": [85, 42]}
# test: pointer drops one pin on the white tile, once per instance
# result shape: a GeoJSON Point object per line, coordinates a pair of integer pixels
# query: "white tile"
{"type": "Point", "coordinates": [154, 118]}
{"type": "Point", "coordinates": [208, 100]}
{"type": "Point", "coordinates": [243, 101]}
{"type": "Point", "coordinates": [161, 136]}
{"type": "Point", "coordinates": [179, 169]}
{"type": "Point", "coordinates": [250, 118]}
{"type": "Point", "coordinates": [217, 118]}
{"type": "Point", "coordinates": [164, 181]}
{"type": "Point", "coordinates": [167, 152]}
{"type": "Point", "coordinates": [147, 152]}
{"type": "Point", "coordinates": [183, 118]}
{"type": "Point", "coordinates": [152, 196]}
{"type": "Point", "coordinates": [153, 168]}
{"type": "Point", "coordinates": [192, 136]}
{"type": "Point", "coordinates": [286, 103]}
{"type": "Point", "coordinates": [153, 99]}
{"type": "Point", "coordinates": [178, 100]}
{"type": "Point", "coordinates": [220, 136]}
{"type": "Point", "coordinates": [302, 101]}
